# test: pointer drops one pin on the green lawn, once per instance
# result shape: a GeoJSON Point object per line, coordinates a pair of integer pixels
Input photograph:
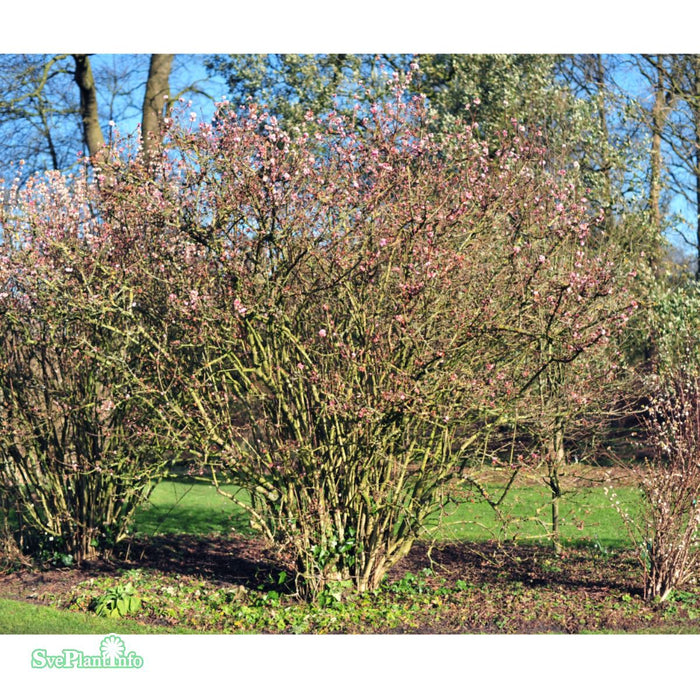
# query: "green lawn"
{"type": "Point", "coordinates": [192, 604]}
{"type": "Point", "coordinates": [587, 516]}
{"type": "Point", "coordinates": [27, 618]}
{"type": "Point", "coordinates": [191, 507]}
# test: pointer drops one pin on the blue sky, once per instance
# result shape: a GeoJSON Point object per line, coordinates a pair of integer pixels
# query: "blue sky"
{"type": "Point", "coordinates": [188, 70]}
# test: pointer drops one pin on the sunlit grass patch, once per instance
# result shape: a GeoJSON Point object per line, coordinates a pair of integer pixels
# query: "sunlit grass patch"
{"type": "Point", "coordinates": [192, 507]}
{"type": "Point", "coordinates": [17, 617]}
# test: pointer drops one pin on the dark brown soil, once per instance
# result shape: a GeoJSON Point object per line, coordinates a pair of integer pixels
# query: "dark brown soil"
{"type": "Point", "coordinates": [232, 560]}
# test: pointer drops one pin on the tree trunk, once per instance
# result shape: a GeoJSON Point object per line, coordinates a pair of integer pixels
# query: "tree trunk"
{"type": "Point", "coordinates": [658, 116]}
{"type": "Point", "coordinates": [92, 133]}
{"type": "Point", "coordinates": [157, 90]}
{"type": "Point", "coordinates": [557, 459]}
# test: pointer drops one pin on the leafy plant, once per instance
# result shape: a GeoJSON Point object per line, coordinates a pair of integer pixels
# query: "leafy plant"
{"type": "Point", "coordinates": [412, 583]}
{"type": "Point", "coordinates": [332, 594]}
{"type": "Point", "coordinates": [118, 601]}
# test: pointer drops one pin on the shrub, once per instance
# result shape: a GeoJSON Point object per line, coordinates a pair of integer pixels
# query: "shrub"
{"type": "Point", "coordinates": [670, 483]}
{"type": "Point", "coordinates": [74, 461]}
{"type": "Point", "coordinates": [358, 308]}
{"type": "Point", "coordinates": [331, 322]}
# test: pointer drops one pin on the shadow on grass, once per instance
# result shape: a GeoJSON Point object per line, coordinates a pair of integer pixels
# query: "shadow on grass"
{"type": "Point", "coordinates": [188, 528]}
{"type": "Point", "coordinates": [191, 520]}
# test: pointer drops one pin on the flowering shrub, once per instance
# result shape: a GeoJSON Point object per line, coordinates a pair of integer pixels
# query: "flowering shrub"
{"type": "Point", "coordinates": [354, 309]}
{"type": "Point", "coordinates": [330, 320]}
{"type": "Point", "coordinates": [74, 462]}
{"type": "Point", "coordinates": [580, 306]}
{"type": "Point", "coordinates": [670, 484]}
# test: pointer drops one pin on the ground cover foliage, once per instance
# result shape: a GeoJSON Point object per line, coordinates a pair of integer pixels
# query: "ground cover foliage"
{"type": "Point", "coordinates": [215, 584]}
{"type": "Point", "coordinates": [340, 327]}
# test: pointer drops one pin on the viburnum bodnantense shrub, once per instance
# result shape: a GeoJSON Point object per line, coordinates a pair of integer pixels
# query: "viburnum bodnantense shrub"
{"type": "Point", "coordinates": [356, 306]}
{"type": "Point", "coordinates": [333, 320]}
{"type": "Point", "coordinates": [76, 457]}
{"type": "Point", "coordinates": [670, 484]}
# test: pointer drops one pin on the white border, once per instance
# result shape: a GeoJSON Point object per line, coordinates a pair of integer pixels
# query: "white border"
{"type": "Point", "coordinates": [398, 26]}
{"type": "Point", "coordinates": [339, 667]}
{"type": "Point", "coordinates": [372, 666]}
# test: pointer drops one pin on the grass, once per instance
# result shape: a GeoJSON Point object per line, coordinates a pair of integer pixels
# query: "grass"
{"type": "Point", "coordinates": [192, 507]}
{"type": "Point", "coordinates": [591, 527]}
{"type": "Point", "coordinates": [27, 618]}
{"type": "Point", "coordinates": [587, 517]}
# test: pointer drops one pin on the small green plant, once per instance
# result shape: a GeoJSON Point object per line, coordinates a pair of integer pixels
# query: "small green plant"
{"type": "Point", "coordinates": [336, 550]}
{"type": "Point", "coordinates": [550, 567]}
{"type": "Point", "coordinates": [412, 583]}
{"type": "Point", "coordinates": [61, 559]}
{"type": "Point", "coordinates": [685, 597]}
{"type": "Point", "coordinates": [332, 594]}
{"type": "Point", "coordinates": [268, 599]}
{"type": "Point", "coordinates": [118, 601]}
{"type": "Point", "coordinates": [685, 601]}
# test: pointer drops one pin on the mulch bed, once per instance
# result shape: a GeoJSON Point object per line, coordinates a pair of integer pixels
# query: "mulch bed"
{"type": "Point", "coordinates": [239, 560]}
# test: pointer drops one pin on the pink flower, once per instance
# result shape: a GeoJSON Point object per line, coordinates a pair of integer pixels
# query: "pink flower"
{"type": "Point", "coordinates": [238, 306]}
{"type": "Point", "coordinates": [322, 333]}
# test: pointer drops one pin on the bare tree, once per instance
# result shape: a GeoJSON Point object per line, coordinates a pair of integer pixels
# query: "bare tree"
{"type": "Point", "coordinates": [676, 125]}
{"type": "Point", "coordinates": [39, 115]}
{"type": "Point", "coordinates": [157, 89]}
{"type": "Point", "coordinates": [52, 107]}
